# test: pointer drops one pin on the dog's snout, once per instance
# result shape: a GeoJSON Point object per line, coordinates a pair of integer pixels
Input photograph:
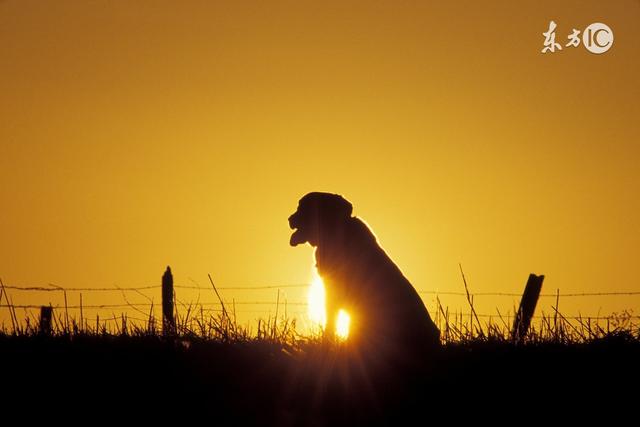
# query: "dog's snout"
{"type": "Point", "coordinates": [293, 220]}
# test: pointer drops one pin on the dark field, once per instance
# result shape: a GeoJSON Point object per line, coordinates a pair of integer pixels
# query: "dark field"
{"type": "Point", "coordinates": [260, 382]}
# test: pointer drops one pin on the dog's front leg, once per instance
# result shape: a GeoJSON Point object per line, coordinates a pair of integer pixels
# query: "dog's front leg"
{"type": "Point", "coordinates": [331, 304]}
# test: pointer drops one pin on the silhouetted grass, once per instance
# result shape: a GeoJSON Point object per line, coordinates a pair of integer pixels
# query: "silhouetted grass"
{"type": "Point", "coordinates": [456, 328]}
{"type": "Point", "coordinates": [273, 374]}
{"type": "Point", "coordinates": [276, 376]}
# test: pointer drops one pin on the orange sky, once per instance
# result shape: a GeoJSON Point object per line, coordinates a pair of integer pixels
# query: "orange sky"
{"type": "Point", "coordinates": [139, 134]}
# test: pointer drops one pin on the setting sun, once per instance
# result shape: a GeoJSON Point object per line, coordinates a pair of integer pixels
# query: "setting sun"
{"type": "Point", "coordinates": [317, 309]}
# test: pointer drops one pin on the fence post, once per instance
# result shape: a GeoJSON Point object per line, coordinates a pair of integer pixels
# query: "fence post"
{"type": "Point", "coordinates": [168, 321]}
{"type": "Point", "coordinates": [46, 314]}
{"type": "Point", "coordinates": [527, 307]}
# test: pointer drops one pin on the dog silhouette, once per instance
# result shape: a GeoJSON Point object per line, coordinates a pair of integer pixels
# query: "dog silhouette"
{"type": "Point", "coordinates": [386, 313]}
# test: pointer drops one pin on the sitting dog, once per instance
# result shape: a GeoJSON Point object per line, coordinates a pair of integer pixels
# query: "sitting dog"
{"type": "Point", "coordinates": [386, 313]}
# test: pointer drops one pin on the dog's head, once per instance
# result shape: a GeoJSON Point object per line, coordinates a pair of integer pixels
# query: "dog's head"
{"type": "Point", "coordinates": [318, 217]}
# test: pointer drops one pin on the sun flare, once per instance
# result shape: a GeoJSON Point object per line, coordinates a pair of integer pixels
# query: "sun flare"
{"type": "Point", "coordinates": [317, 309]}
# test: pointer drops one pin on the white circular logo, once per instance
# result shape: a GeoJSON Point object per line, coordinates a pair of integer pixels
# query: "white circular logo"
{"type": "Point", "coordinates": [597, 38]}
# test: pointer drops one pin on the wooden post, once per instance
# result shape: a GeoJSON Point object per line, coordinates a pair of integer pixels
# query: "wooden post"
{"type": "Point", "coordinates": [46, 314]}
{"type": "Point", "coordinates": [168, 321]}
{"type": "Point", "coordinates": [527, 307]}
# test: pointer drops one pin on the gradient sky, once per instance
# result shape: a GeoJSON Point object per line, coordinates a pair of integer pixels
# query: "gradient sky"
{"type": "Point", "coordinates": [139, 134]}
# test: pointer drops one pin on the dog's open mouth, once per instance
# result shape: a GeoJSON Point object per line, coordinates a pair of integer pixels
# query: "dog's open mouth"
{"type": "Point", "coordinates": [297, 237]}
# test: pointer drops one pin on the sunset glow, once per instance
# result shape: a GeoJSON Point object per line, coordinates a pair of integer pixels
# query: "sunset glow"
{"type": "Point", "coordinates": [317, 309]}
{"type": "Point", "coordinates": [330, 213]}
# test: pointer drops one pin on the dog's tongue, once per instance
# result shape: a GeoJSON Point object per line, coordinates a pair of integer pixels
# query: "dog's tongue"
{"type": "Point", "coordinates": [297, 238]}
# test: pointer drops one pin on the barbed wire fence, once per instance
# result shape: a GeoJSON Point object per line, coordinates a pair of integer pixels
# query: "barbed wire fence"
{"type": "Point", "coordinates": [250, 306]}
